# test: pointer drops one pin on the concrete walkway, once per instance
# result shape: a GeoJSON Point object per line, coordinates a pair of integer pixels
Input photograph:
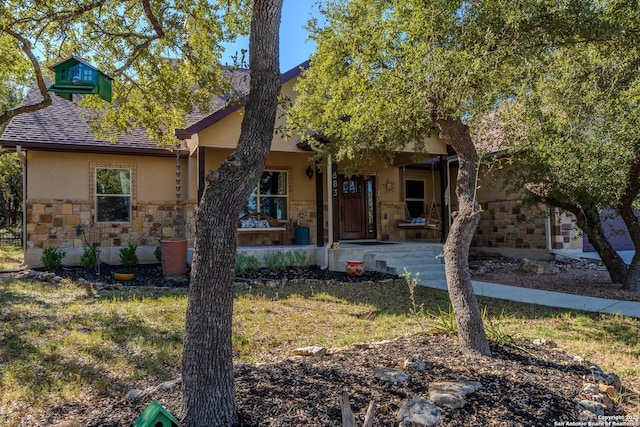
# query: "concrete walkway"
{"type": "Point", "coordinates": [550, 299]}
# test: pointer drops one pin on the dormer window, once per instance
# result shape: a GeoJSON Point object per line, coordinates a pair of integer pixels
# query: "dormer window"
{"type": "Point", "coordinates": [78, 74]}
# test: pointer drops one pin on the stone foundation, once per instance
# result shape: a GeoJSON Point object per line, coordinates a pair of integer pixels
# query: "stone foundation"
{"type": "Point", "coordinates": [69, 225]}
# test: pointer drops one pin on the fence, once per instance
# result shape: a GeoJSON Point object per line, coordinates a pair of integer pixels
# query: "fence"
{"type": "Point", "coordinates": [10, 237]}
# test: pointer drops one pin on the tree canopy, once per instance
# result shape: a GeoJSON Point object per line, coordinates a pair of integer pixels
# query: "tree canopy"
{"type": "Point", "coordinates": [164, 56]}
{"type": "Point", "coordinates": [574, 126]}
{"type": "Point", "coordinates": [394, 67]}
{"type": "Point", "coordinates": [389, 73]}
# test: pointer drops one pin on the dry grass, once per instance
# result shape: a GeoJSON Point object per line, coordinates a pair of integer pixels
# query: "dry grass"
{"type": "Point", "coordinates": [10, 257]}
{"type": "Point", "coordinates": [65, 343]}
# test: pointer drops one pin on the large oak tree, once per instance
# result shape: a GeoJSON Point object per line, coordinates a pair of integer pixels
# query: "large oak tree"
{"type": "Point", "coordinates": [387, 73]}
{"type": "Point", "coordinates": [576, 130]}
{"type": "Point", "coordinates": [165, 58]}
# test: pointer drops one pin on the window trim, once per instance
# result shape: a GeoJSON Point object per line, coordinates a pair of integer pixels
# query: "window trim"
{"type": "Point", "coordinates": [94, 197]}
{"type": "Point", "coordinates": [286, 196]}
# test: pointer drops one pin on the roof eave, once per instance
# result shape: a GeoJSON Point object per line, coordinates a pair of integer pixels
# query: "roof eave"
{"type": "Point", "coordinates": [115, 149]}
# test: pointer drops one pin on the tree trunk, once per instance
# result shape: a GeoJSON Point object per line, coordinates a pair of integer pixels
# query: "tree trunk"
{"type": "Point", "coordinates": [589, 221]}
{"type": "Point", "coordinates": [207, 365]}
{"type": "Point", "coordinates": [471, 333]}
{"type": "Point", "coordinates": [625, 207]}
{"type": "Point", "coordinates": [616, 266]}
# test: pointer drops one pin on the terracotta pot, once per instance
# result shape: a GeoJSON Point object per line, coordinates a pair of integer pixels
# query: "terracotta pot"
{"type": "Point", "coordinates": [174, 257]}
{"type": "Point", "coordinates": [355, 268]}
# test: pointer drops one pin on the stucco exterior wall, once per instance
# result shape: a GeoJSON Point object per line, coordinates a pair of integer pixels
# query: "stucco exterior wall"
{"type": "Point", "coordinates": [60, 209]}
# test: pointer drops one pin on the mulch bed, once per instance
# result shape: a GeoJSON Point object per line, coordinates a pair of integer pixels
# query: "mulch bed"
{"type": "Point", "coordinates": [151, 275]}
{"type": "Point", "coordinates": [524, 386]}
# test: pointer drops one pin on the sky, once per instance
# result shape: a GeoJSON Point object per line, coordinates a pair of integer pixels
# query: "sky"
{"type": "Point", "coordinates": [294, 46]}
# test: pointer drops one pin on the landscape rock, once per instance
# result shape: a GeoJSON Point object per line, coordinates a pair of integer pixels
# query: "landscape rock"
{"type": "Point", "coordinates": [390, 375]}
{"type": "Point", "coordinates": [419, 412]}
{"type": "Point", "coordinates": [595, 408]}
{"type": "Point", "coordinates": [314, 351]}
{"type": "Point", "coordinates": [614, 381]}
{"type": "Point", "coordinates": [133, 394]}
{"type": "Point", "coordinates": [415, 362]}
{"type": "Point", "coordinates": [609, 390]}
{"type": "Point", "coordinates": [452, 394]}
{"type": "Point", "coordinates": [538, 267]}
{"type": "Point", "coordinates": [586, 416]}
{"type": "Point", "coordinates": [590, 389]}
{"type": "Point", "coordinates": [544, 342]}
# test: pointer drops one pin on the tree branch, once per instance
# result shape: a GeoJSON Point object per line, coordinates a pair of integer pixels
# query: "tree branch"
{"type": "Point", "coordinates": [159, 33]}
{"type": "Point", "coordinates": [25, 45]}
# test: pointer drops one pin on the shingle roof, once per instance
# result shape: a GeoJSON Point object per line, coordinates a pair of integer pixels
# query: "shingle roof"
{"type": "Point", "coordinates": [59, 126]}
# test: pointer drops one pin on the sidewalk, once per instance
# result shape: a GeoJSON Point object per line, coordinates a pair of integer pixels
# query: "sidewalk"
{"type": "Point", "coordinates": [548, 298]}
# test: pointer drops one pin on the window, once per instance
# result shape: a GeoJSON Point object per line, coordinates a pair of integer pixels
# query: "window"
{"type": "Point", "coordinates": [414, 197]}
{"type": "Point", "coordinates": [113, 194]}
{"type": "Point", "coordinates": [270, 196]}
{"type": "Point", "coordinates": [78, 74]}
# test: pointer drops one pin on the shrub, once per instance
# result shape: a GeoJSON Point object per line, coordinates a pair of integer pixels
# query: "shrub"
{"type": "Point", "coordinates": [89, 257]}
{"type": "Point", "coordinates": [128, 256]}
{"type": "Point", "coordinates": [297, 258]}
{"type": "Point", "coordinates": [157, 252]}
{"type": "Point", "coordinates": [275, 260]}
{"type": "Point", "coordinates": [246, 263]}
{"type": "Point", "coordinates": [52, 257]}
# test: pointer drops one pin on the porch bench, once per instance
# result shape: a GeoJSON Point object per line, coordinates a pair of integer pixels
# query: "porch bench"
{"type": "Point", "coordinates": [256, 223]}
{"type": "Point", "coordinates": [421, 223]}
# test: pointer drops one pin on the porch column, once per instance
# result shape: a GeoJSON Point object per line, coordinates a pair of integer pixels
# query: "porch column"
{"type": "Point", "coordinates": [333, 192]}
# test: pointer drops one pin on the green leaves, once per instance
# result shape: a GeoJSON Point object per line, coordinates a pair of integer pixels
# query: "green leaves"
{"type": "Point", "coordinates": [392, 68]}
{"type": "Point", "coordinates": [164, 55]}
{"type": "Point", "coordinates": [573, 126]}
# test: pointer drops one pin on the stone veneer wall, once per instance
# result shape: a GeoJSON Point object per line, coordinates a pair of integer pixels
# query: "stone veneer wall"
{"type": "Point", "coordinates": [565, 233]}
{"type": "Point", "coordinates": [54, 223]}
{"type": "Point", "coordinates": [507, 224]}
{"type": "Point", "coordinates": [303, 214]}
{"type": "Point", "coordinates": [388, 216]}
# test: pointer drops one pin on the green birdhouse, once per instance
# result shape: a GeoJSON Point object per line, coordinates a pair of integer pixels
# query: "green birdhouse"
{"type": "Point", "coordinates": [75, 75]}
{"type": "Point", "coordinates": [155, 415]}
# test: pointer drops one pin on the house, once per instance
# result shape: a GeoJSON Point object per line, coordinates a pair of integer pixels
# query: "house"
{"type": "Point", "coordinates": [85, 191]}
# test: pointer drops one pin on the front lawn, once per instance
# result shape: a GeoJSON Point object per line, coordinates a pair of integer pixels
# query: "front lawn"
{"type": "Point", "coordinates": [69, 343]}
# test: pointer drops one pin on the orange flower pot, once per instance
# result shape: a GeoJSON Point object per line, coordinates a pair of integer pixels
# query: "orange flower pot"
{"type": "Point", "coordinates": [355, 268]}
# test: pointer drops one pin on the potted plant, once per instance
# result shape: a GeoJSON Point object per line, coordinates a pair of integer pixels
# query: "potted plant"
{"type": "Point", "coordinates": [128, 259]}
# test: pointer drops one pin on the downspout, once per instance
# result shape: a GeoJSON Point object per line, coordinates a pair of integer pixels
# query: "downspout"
{"type": "Point", "coordinates": [23, 160]}
{"type": "Point", "coordinates": [329, 217]}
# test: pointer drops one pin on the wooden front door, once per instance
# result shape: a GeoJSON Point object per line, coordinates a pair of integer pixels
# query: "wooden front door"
{"type": "Point", "coordinates": [356, 207]}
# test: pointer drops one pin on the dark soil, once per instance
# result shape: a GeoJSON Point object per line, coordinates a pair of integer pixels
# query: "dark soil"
{"type": "Point", "coordinates": [151, 275]}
